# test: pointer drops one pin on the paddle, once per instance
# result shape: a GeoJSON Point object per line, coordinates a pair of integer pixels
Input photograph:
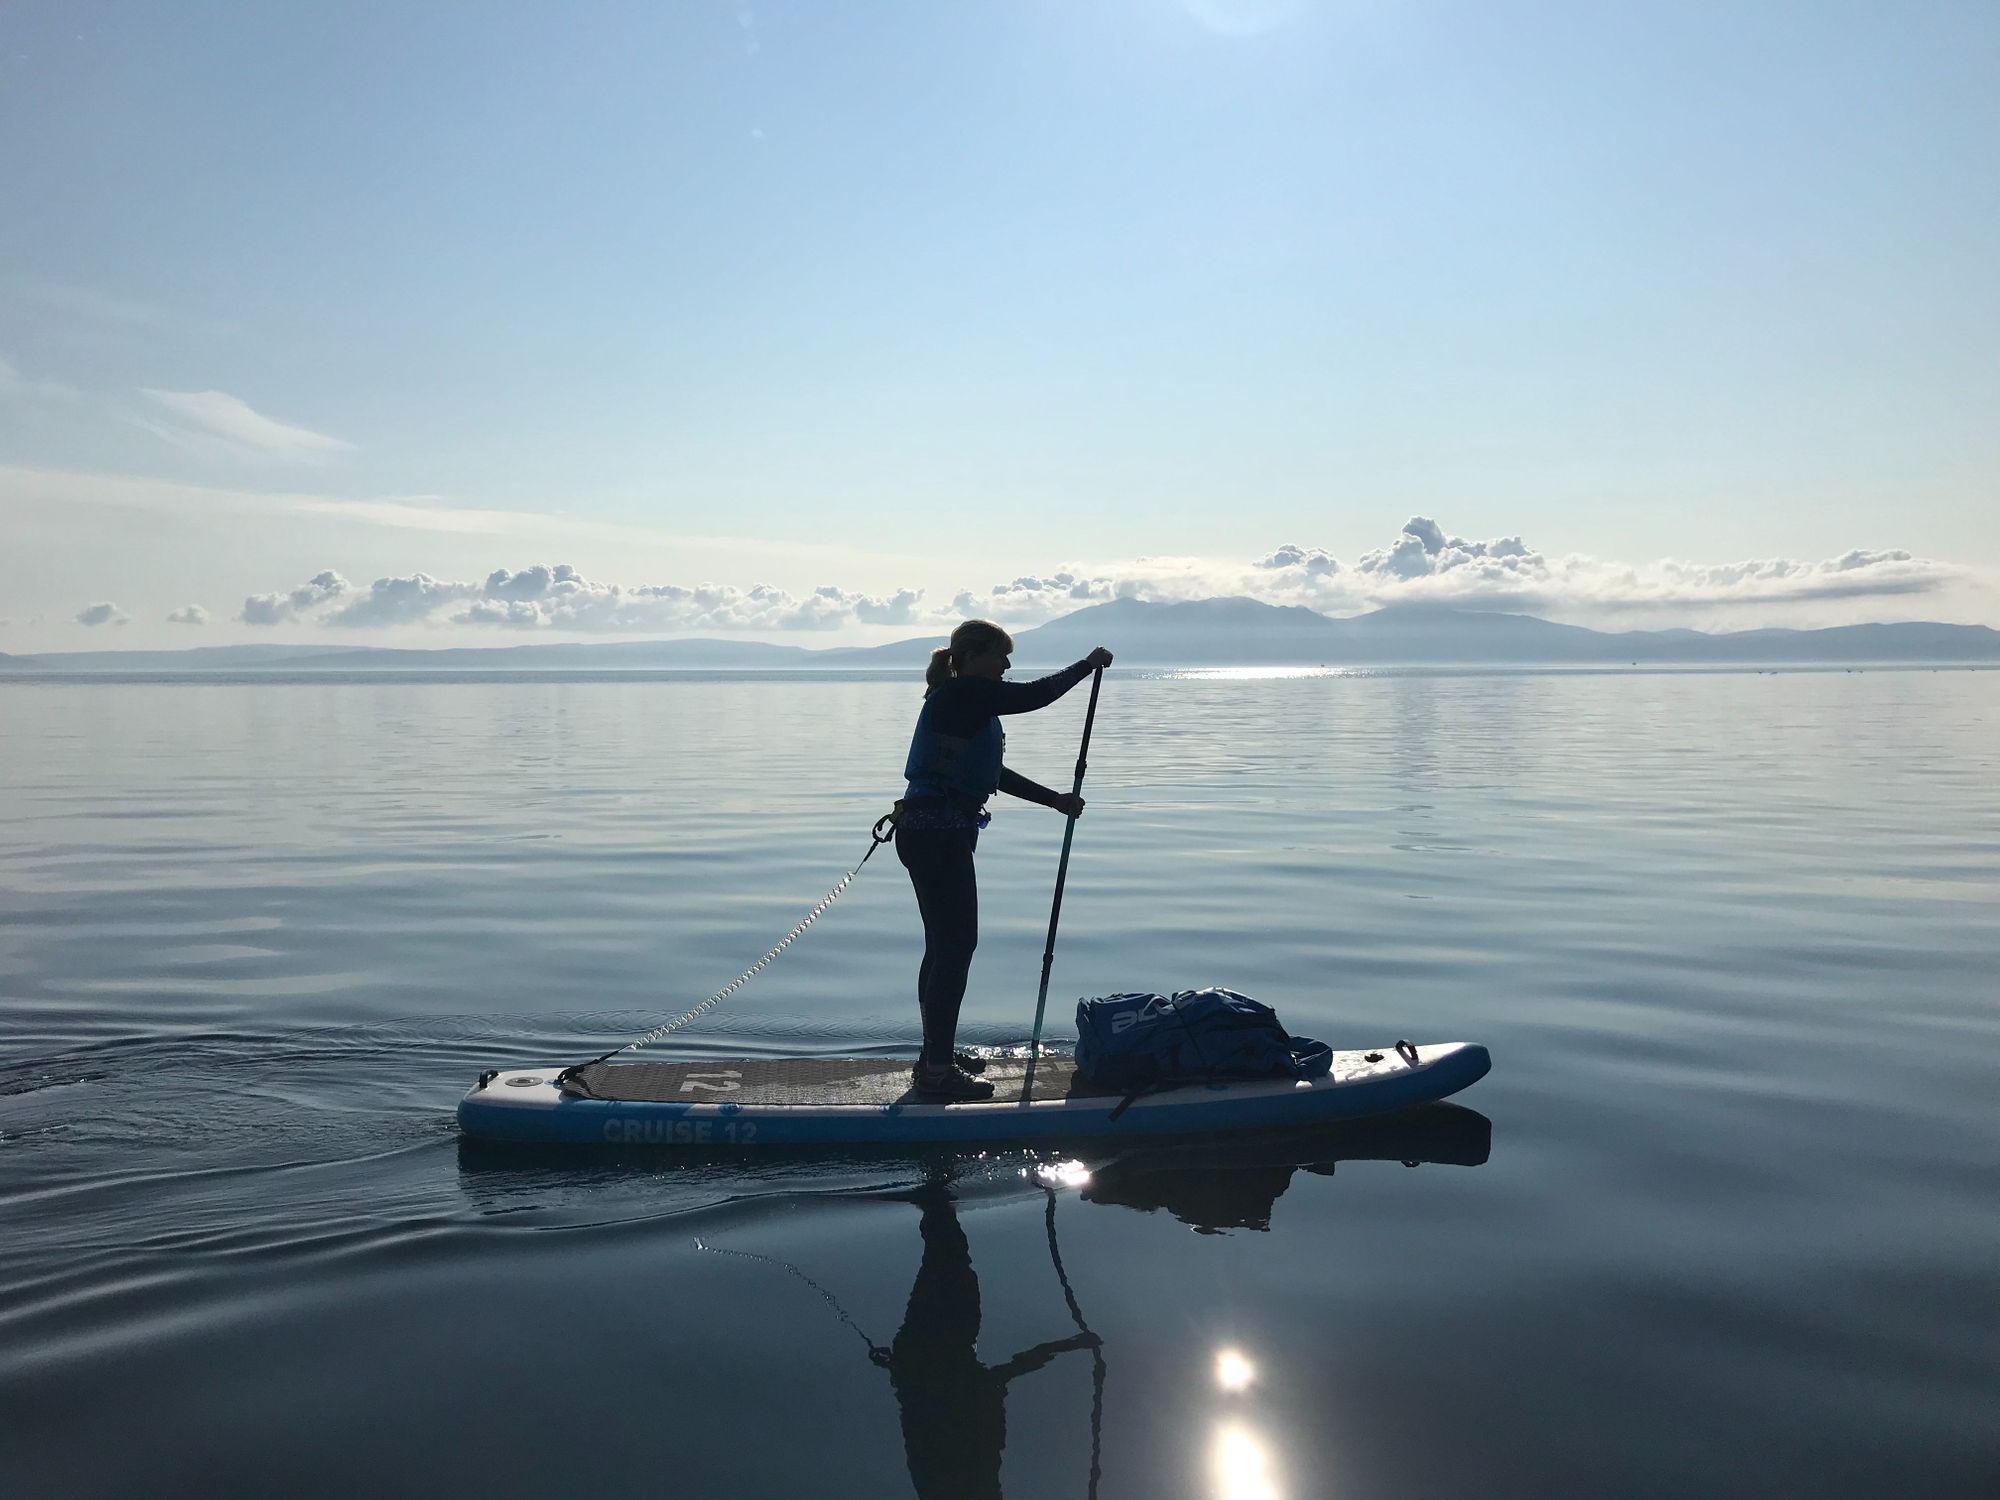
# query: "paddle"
{"type": "Point", "coordinates": [1062, 873]}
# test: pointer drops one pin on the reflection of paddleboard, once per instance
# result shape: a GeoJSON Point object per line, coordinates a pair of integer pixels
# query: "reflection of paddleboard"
{"type": "Point", "coordinates": [1234, 1183]}
{"type": "Point", "coordinates": [787, 1102]}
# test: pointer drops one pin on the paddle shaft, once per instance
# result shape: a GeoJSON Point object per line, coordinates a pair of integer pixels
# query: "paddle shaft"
{"type": "Point", "coordinates": [1062, 874]}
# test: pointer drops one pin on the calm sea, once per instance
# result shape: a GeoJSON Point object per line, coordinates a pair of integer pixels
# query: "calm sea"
{"type": "Point", "coordinates": [1724, 1219]}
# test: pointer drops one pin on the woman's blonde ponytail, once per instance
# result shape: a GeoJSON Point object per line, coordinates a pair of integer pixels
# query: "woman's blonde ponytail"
{"type": "Point", "coordinates": [939, 671]}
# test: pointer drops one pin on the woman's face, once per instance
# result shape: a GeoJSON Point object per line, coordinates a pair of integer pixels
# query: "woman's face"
{"type": "Point", "coordinates": [987, 661]}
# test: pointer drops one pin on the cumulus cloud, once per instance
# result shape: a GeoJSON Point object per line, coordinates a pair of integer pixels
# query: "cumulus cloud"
{"type": "Point", "coordinates": [1424, 563]}
{"type": "Point", "coordinates": [1032, 598]}
{"type": "Point", "coordinates": [581, 604]}
{"type": "Point", "coordinates": [1854, 574]}
{"type": "Point", "coordinates": [188, 614]}
{"type": "Point", "coordinates": [537, 582]}
{"type": "Point", "coordinates": [101, 614]}
{"type": "Point", "coordinates": [900, 608]}
{"type": "Point", "coordinates": [276, 609]}
{"type": "Point", "coordinates": [511, 613]}
{"type": "Point", "coordinates": [1423, 550]}
{"type": "Point", "coordinates": [211, 422]}
{"type": "Point", "coordinates": [401, 601]}
{"type": "Point", "coordinates": [560, 598]}
{"type": "Point", "coordinates": [1427, 564]}
{"type": "Point", "coordinates": [1312, 559]}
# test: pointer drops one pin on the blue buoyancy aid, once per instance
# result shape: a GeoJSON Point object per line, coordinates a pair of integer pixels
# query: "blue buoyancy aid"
{"type": "Point", "coordinates": [966, 769]}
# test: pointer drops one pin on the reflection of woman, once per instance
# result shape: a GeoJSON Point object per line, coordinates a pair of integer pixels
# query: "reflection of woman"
{"type": "Point", "coordinates": [954, 766]}
{"type": "Point", "coordinates": [953, 1407]}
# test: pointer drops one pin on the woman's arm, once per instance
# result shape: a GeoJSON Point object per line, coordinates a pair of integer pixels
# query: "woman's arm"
{"type": "Point", "coordinates": [1030, 1360]}
{"type": "Point", "coordinates": [994, 696]}
{"type": "Point", "coordinates": [1014, 784]}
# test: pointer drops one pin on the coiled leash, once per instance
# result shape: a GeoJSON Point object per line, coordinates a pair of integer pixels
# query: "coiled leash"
{"type": "Point", "coordinates": [883, 832]}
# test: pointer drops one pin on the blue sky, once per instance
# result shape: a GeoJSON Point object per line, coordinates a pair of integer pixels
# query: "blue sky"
{"type": "Point", "coordinates": [902, 302]}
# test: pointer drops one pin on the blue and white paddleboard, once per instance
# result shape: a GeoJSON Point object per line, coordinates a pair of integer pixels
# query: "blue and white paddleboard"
{"type": "Point", "coordinates": [854, 1101]}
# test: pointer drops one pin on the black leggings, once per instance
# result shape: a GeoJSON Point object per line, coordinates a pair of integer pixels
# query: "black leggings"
{"type": "Point", "coordinates": [940, 864]}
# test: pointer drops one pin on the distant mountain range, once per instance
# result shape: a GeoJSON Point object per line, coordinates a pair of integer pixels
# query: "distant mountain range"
{"type": "Point", "coordinates": [1205, 632]}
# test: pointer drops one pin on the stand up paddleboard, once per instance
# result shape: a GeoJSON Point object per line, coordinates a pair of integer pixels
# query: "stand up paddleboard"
{"type": "Point", "coordinates": [793, 1102]}
{"type": "Point", "coordinates": [862, 1101]}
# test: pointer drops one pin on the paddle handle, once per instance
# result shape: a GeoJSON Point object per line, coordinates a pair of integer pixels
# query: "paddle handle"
{"type": "Point", "coordinates": [1062, 874]}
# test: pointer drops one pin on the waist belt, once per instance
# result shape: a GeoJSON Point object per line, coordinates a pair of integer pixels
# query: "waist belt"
{"type": "Point", "coordinates": [938, 802]}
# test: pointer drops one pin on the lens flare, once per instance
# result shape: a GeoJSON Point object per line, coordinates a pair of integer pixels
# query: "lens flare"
{"type": "Point", "coordinates": [1232, 1371]}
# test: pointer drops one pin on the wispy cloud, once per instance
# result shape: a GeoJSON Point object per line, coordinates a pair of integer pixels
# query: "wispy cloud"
{"type": "Point", "coordinates": [188, 614]}
{"type": "Point", "coordinates": [14, 386]}
{"type": "Point", "coordinates": [101, 614]}
{"type": "Point", "coordinates": [88, 304]}
{"type": "Point", "coordinates": [212, 422]}
{"type": "Point", "coordinates": [422, 513]}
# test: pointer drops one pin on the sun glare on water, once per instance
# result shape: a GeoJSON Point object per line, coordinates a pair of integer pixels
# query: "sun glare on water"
{"type": "Point", "coordinates": [1240, 1465]}
{"type": "Point", "coordinates": [1256, 674]}
{"type": "Point", "coordinates": [1069, 1174]}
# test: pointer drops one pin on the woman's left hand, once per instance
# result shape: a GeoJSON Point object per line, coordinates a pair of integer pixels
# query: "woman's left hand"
{"type": "Point", "coordinates": [1070, 805]}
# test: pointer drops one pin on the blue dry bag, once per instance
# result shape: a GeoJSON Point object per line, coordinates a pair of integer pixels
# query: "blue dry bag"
{"type": "Point", "coordinates": [1135, 1042]}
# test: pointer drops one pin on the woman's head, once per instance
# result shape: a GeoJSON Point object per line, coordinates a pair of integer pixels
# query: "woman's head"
{"type": "Point", "coordinates": [978, 648]}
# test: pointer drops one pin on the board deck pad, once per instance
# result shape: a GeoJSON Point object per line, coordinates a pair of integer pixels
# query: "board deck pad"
{"type": "Point", "coordinates": [810, 1083]}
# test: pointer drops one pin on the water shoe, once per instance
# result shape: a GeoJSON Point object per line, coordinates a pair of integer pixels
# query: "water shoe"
{"type": "Point", "coordinates": [948, 1084]}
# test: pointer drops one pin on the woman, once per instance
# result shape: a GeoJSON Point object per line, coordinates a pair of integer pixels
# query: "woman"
{"type": "Point", "coordinates": [954, 767]}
